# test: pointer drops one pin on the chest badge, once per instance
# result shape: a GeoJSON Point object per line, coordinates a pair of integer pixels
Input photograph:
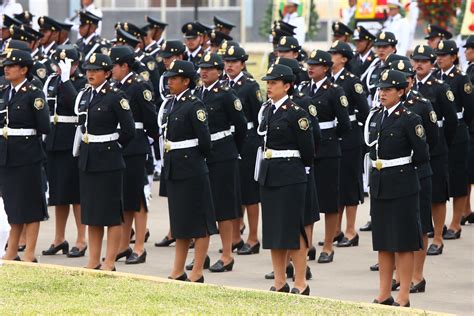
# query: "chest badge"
{"type": "Point", "coordinates": [201, 115]}
{"type": "Point", "coordinates": [303, 123]}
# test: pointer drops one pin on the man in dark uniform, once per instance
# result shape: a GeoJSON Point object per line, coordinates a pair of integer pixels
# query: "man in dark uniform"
{"type": "Point", "coordinates": [193, 34]}
{"type": "Point", "coordinates": [288, 47]}
{"type": "Point", "coordinates": [331, 106]}
{"type": "Point", "coordinates": [216, 39]}
{"type": "Point", "coordinates": [26, 17]}
{"type": "Point", "coordinates": [206, 31]}
{"type": "Point", "coordinates": [223, 25]}
{"type": "Point", "coordinates": [442, 100]}
{"type": "Point", "coordinates": [469, 52]}
{"type": "Point", "coordinates": [51, 30]}
{"type": "Point", "coordinates": [279, 29]}
{"type": "Point", "coordinates": [155, 31]}
{"type": "Point", "coordinates": [63, 37]}
{"type": "Point", "coordinates": [90, 42]}
{"type": "Point", "coordinates": [364, 41]}
{"type": "Point", "coordinates": [341, 32]}
{"type": "Point", "coordinates": [436, 34]}
{"type": "Point", "coordinates": [7, 23]}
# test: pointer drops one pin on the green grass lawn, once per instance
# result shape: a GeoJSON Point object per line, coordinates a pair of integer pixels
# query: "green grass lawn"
{"type": "Point", "coordinates": [30, 290]}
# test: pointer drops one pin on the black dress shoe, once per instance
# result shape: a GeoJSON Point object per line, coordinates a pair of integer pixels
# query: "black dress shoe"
{"type": "Point", "coordinates": [135, 258]}
{"type": "Point", "coordinates": [17, 258]}
{"type": "Point", "coordinates": [220, 267]}
{"type": "Point", "coordinates": [397, 304]}
{"type": "Point", "coordinates": [324, 257]}
{"type": "Point", "coordinates": [249, 250]}
{"type": "Point", "coordinates": [289, 273]}
{"type": "Point", "coordinates": [297, 291]}
{"type": "Point", "coordinates": [147, 235]}
{"type": "Point", "coordinates": [470, 218]}
{"type": "Point", "coordinates": [308, 275]}
{"type": "Point", "coordinates": [156, 177]}
{"type": "Point", "coordinates": [236, 246]}
{"type": "Point", "coordinates": [284, 289]}
{"type": "Point", "coordinates": [388, 301]}
{"type": "Point", "coordinates": [200, 280]}
{"type": "Point", "coordinates": [207, 263]}
{"type": "Point", "coordinates": [21, 248]}
{"type": "Point", "coordinates": [64, 246]}
{"type": "Point", "coordinates": [312, 253]}
{"type": "Point", "coordinates": [451, 234]}
{"type": "Point", "coordinates": [374, 267]}
{"type": "Point", "coordinates": [431, 233]}
{"type": "Point", "coordinates": [76, 253]}
{"type": "Point", "coordinates": [348, 243]}
{"type": "Point", "coordinates": [435, 250]}
{"type": "Point", "coordinates": [98, 267]}
{"type": "Point", "coordinates": [337, 239]}
{"type": "Point", "coordinates": [124, 254]}
{"type": "Point", "coordinates": [395, 285]}
{"type": "Point", "coordinates": [367, 227]}
{"type": "Point", "coordinates": [182, 277]}
{"type": "Point", "coordinates": [418, 288]}
{"type": "Point", "coordinates": [165, 242]}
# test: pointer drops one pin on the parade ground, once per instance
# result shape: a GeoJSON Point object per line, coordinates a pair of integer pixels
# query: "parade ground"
{"type": "Point", "coordinates": [449, 286]}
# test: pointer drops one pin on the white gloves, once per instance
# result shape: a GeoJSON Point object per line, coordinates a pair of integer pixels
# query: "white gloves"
{"type": "Point", "coordinates": [65, 66]}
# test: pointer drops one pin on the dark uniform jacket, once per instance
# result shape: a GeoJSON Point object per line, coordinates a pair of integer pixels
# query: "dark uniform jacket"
{"type": "Point", "coordinates": [27, 109]}
{"type": "Point", "coordinates": [154, 51]}
{"type": "Point", "coordinates": [357, 66]}
{"type": "Point", "coordinates": [105, 111]}
{"type": "Point", "coordinates": [224, 109]}
{"type": "Point", "coordinates": [331, 104]}
{"type": "Point", "coordinates": [194, 59]}
{"type": "Point", "coordinates": [358, 106]}
{"type": "Point", "coordinates": [140, 97]}
{"type": "Point", "coordinates": [442, 100]}
{"type": "Point", "coordinates": [148, 69]}
{"type": "Point", "coordinates": [96, 45]}
{"type": "Point", "coordinates": [187, 119]}
{"type": "Point", "coordinates": [401, 134]}
{"type": "Point", "coordinates": [422, 107]}
{"type": "Point", "coordinates": [289, 128]}
{"type": "Point", "coordinates": [303, 102]}
{"type": "Point", "coordinates": [62, 96]}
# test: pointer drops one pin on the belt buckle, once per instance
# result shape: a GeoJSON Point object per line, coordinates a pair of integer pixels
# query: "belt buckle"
{"type": "Point", "coordinates": [167, 146]}
{"type": "Point", "coordinates": [268, 154]}
{"type": "Point", "coordinates": [5, 132]}
{"type": "Point", "coordinates": [378, 165]}
{"type": "Point", "coordinates": [86, 138]}
{"type": "Point", "coordinates": [55, 119]}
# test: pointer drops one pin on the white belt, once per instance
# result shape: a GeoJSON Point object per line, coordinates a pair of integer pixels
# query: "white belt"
{"type": "Point", "coordinates": [220, 135]}
{"type": "Point", "coordinates": [88, 138]}
{"type": "Point", "coordinates": [327, 125]}
{"type": "Point", "coordinates": [440, 123]}
{"type": "Point", "coordinates": [64, 119]}
{"type": "Point", "coordinates": [138, 125]}
{"type": "Point", "coordinates": [18, 132]}
{"type": "Point", "coordinates": [180, 145]}
{"type": "Point", "coordinates": [386, 163]}
{"type": "Point", "coordinates": [250, 125]}
{"type": "Point", "coordinates": [352, 118]}
{"type": "Point", "coordinates": [460, 115]}
{"type": "Point", "coordinates": [272, 154]}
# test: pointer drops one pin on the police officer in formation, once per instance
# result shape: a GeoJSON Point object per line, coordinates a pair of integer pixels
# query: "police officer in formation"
{"type": "Point", "coordinates": [226, 150]}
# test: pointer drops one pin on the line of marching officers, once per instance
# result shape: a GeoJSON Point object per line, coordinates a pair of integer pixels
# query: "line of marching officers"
{"type": "Point", "coordinates": [99, 105]}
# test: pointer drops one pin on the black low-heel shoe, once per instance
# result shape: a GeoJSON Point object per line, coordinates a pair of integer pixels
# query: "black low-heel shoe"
{"type": "Point", "coordinates": [220, 267]}
{"type": "Point", "coordinates": [324, 257]}
{"type": "Point", "coordinates": [182, 277]}
{"type": "Point", "coordinates": [136, 259]}
{"type": "Point", "coordinates": [418, 288]}
{"type": "Point", "coordinates": [207, 263]}
{"type": "Point", "coordinates": [297, 291]}
{"type": "Point", "coordinates": [76, 252]}
{"type": "Point", "coordinates": [374, 267]}
{"type": "Point", "coordinates": [308, 275]}
{"type": "Point", "coordinates": [64, 247]}
{"type": "Point", "coordinates": [398, 304]}
{"type": "Point", "coordinates": [395, 285]}
{"type": "Point", "coordinates": [289, 273]}
{"type": "Point", "coordinates": [338, 238]}
{"type": "Point", "coordinates": [451, 234]}
{"type": "Point", "coordinates": [165, 242]}
{"type": "Point", "coordinates": [21, 248]}
{"type": "Point", "coordinates": [367, 227]}
{"type": "Point", "coordinates": [284, 289]}
{"type": "Point", "coordinates": [236, 246]}
{"type": "Point", "coordinates": [312, 253]}
{"type": "Point", "coordinates": [435, 250]}
{"type": "Point", "coordinates": [147, 235]}
{"type": "Point", "coordinates": [354, 242]}
{"type": "Point", "coordinates": [388, 301]}
{"type": "Point", "coordinates": [249, 250]}
{"type": "Point", "coordinates": [17, 258]}
{"type": "Point", "coordinates": [124, 254]}
{"type": "Point", "coordinates": [200, 280]}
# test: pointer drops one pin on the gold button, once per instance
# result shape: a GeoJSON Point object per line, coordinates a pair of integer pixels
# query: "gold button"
{"type": "Point", "coordinates": [98, 109]}
{"type": "Point", "coordinates": [27, 137]}
{"type": "Point", "coordinates": [108, 148]}
{"type": "Point", "coordinates": [185, 156]}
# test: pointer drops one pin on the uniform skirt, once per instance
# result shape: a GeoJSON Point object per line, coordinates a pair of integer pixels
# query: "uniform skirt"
{"type": "Point", "coordinates": [283, 211]}
{"type": "Point", "coordinates": [425, 205]}
{"type": "Point", "coordinates": [311, 210]}
{"type": "Point", "coordinates": [396, 224]}
{"type": "Point", "coordinates": [350, 180]}
{"type": "Point", "coordinates": [101, 198]}
{"type": "Point", "coordinates": [249, 187]}
{"type": "Point", "coordinates": [162, 191]}
{"type": "Point", "coordinates": [63, 178]}
{"type": "Point", "coordinates": [326, 174]}
{"type": "Point", "coordinates": [458, 176]}
{"type": "Point", "coordinates": [134, 177]}
{"type": "Point", "coordinates": [23, 194]}
{"type": "Point", "coordinates": [225, 186]}
{"type": "Point", "coordinates": [190, 206]}
{"type": "Point", "coordinates": [440, 179]}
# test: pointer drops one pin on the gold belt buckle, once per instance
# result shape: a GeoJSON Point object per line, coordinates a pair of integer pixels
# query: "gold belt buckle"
{"type": "Point", "coordinates": [86, 138]}
{"type": "Point", "coordinates": [55, 119]}
{"type": "Point", "coordinates": [167, 146]}
{"type": "Point", "coordinates": [268, 154]}
{"type": "Point", "coordinates": [5, 132]}
{"type": "Point", "coordinates": [378, 164]}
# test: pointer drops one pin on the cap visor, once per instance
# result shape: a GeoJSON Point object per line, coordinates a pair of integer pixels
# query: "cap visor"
{"type": "Point", "coordinates": [168, 74]}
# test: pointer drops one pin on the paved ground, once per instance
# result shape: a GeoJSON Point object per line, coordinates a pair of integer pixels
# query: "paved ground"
{"type": "Point", "coordinates": [450, 277]}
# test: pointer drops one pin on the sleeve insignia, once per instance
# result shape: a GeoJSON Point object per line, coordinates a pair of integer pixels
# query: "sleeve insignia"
{"type": "Point", "coordinates": [358, 88]}
{"type": "Point", "coordinates": [104, 50]}
{"type": "Point", "coordinates": [303, 123]}
{"type": "Point", "coordinates": [420, 131]}
{"type": "Point", "coordinates": [468, 88]}
{"type": "Point", "coordinates": [151, 65]}
{"type": "Point", "coordinates": [124, 104]}
{"type": "Point", "coordinates": [259, 96]}
{"type": "Point", "coordinates": [147, 95]}
{"type": "Point", "coordinates": [344, 101]}
{"type": "Point", "coordinates": [41, 72]}
{"type": "Point", "coordinates": [39, 103]}
{"type": "Point", "coordinates": [450, 95]}
{"type": "Point", "coordinates": [159, 58]}
{"type": "Point", "coordinates": [201, 115]}
{"type": "Point", "coordinates": [312, 110]}
{"type": "Point", "coordinates": [433, 117]}
{"type": "Point", "coordinates": [238, 105]}
{"type": "Point", "coordinates": [145, 75]}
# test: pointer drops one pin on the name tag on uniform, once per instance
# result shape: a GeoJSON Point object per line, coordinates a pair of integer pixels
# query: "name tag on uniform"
{"type": "Point", "coordinates": [50, 88]}
{"type": "Point", "coordinates": [373, 124]}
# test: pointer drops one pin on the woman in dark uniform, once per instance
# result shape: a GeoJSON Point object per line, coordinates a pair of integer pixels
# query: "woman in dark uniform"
{"type": "Point", "coordinates": [461, 88]}
{"type": "Point", "coordinates": [288, 148]}
{"type": "Point", "coordinates": [224, 109]}
{"type": "Point", "coordinates": [187, 143]}
{"type": "Point", "coordinates": [101, 108]}
{"type": "Point", "coordinates": [63, 174]}
{"type": "Point", "coordinates": [24, 116]}
{"type": "Point", "coordinates": [397, 142]}
{"type": "Point", "coordinates": [140, 97]}
{"type": "Point", "coordinates": [248, 91]}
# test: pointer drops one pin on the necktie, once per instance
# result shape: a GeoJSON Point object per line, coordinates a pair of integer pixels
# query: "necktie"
{"type": "Point", "coordinates": [12, 93]}
{"type": "Point", "coordinates": [384, 117]}
{"type": "Point", "coordinates": [94, 93]}
{"type": "Point", "coordinates": [419, 85]}
{"type": "Point", "coordinates": [231, 83]}
{"type": "Point", "coordinates": [204, 93]}
{"type": "Point", "coordinates": [313, 89]}
{"type": "Point", "coordinates": [270, 113]}
{"type": "Point", "coordinates": [333, 79]}
{"type": "Point", "coordinates": [444, 76]}
{"type": "Point", "coordinates": [117, 85]}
